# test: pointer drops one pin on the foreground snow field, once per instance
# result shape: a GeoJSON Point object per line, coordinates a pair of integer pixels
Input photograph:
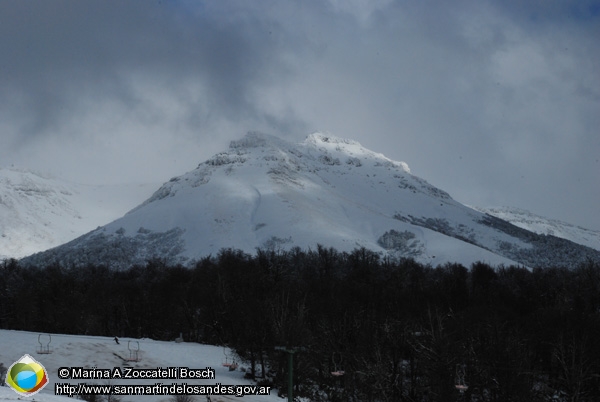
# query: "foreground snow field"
{"type": "Point", "coordinates": [104, 353]}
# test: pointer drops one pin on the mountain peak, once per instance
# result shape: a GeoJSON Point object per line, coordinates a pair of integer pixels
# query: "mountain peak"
{"type": "Point", "coordinates": [325, 147]}
{"type": "Point", "coordinates": [267, 192]}
{"type": "Point", "coordinates": [348, 148]}
{"type": "Point", "coordinates": [323, 138]}
{"type": "Point", "coordinates": [255, 139]}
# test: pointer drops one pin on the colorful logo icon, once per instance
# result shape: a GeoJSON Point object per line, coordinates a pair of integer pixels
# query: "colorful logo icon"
{"type": "Point", "coordinates": [26, 376]}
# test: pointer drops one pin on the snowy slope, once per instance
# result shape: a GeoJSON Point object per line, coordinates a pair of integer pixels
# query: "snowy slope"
{"type": "Point", "coordinates": [266, 192]}
{"type": "Point", "coordinates": [539, 224]}
{"type": "Point", "coordinates": [104, 353]}
{"type": "Point", "coordinates": [38, 213]}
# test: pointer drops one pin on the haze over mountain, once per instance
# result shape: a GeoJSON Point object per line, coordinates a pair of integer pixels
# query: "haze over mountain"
{"type": "Point", "coordinates": [37, 212]}
{"type": "Point", "coordinates": [269, 193]}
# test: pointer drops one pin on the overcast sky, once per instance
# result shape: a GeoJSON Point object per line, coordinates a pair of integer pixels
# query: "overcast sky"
{"type": "Point", "coordinates": [496, 102]}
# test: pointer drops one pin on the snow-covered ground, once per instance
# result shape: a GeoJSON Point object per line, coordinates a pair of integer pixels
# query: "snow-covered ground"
{"type": "Point", "coordinates": [104, 353]}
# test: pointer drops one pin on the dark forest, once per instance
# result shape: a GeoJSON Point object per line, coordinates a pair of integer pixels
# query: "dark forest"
{"type": "Point", "coordinates": [397, 330]}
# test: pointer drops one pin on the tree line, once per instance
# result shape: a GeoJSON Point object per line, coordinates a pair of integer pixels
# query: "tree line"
{"type": "Point", "coordinates": [366, 328]}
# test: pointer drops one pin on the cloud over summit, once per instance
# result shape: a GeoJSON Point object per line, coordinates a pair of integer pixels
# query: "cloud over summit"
{"type": "Point", "coordinates": [496, 103]}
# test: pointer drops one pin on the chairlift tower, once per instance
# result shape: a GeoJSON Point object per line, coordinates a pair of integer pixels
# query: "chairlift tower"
{"type": "Point", "coordinates": [290, 352]}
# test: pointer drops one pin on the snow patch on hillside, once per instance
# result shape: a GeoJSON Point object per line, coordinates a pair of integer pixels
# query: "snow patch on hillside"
{"type": "Point", "coordinates": [542, 225]}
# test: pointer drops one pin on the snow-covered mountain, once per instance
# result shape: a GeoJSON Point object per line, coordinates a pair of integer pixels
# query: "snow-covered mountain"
{"type": "Point", "coordinates": [270, 193]}
{"type": "Point", "coordinates": [38, 213]}
{"type": "Point", "coordinates": [541, 225]}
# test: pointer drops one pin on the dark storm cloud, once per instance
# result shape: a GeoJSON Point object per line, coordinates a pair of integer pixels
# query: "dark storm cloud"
{"type": "Point", "coordinates": [62, 51]}
{"type": "Point", "coordinates": [495, 102]}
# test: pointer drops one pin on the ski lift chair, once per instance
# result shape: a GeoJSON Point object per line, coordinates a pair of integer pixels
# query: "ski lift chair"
{"type": "Point", "coordinates": [134, 348]}
{"type": "Point", "coordinates": [337, 372]}
{"type": "Point", "coordinates": [228, 362]}
{"type": "Point", "coordinates": [44, 340]}
{"type": "Point", "coordinates": [460, 379]}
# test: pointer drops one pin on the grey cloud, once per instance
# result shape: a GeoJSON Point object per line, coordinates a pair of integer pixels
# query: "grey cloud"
{"type": "Point", "coordinates": [60, 52]}
{"type": "Point", "coordinates": [496, 103]}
